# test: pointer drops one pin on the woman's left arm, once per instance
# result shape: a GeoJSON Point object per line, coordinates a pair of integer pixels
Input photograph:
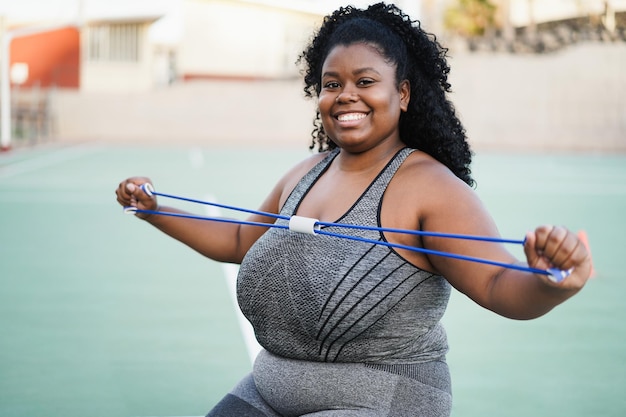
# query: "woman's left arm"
{"type": "Point", "coordinates": [524, 295]}
{"type": "Point", "coordinates": [455, 208]}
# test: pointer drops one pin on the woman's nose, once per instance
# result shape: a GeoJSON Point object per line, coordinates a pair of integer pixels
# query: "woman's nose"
{"type": "Point", "coordinates": [346, 96]}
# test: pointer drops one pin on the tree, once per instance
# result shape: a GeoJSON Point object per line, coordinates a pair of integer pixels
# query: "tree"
{"type": "Point", "coordinates": [470, 18]}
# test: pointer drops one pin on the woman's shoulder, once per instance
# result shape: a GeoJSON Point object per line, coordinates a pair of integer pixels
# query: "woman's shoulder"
{"type": "Point", "coordinates": [305, 165]}
{"type": "Point", "coordinates": [421, 166]}
{"type": "Point", "coordinates": [291, 178]}
{"type": "Point", "coordinates": [422, 174]}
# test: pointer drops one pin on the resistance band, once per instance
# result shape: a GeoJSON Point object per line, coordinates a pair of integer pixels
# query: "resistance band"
{"type": "Point", "coordinates": [313, 226]}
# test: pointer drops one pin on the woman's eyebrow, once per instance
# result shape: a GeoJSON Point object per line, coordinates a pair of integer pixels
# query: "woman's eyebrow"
{"type": "Point", "coordinates": [355, 72]}
{"type": "Point", "coordinates": [365, 69]}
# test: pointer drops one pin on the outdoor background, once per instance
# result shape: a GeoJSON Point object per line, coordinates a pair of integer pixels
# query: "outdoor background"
{"type": "Point", "coordinates": [101, 315]}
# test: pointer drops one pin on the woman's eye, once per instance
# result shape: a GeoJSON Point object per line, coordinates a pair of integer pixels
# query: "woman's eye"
{"type": "Point", "coordinates": [366, 81]}
{"type": "Point", "coordinates": [331, 84]}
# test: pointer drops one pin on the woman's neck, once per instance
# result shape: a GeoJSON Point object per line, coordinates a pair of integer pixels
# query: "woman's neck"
{"type": "Point", "coordinates": [363, 162]}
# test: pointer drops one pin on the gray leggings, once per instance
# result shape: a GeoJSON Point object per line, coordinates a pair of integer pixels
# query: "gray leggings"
{"type": "Point", "coordinates": [280, 387]}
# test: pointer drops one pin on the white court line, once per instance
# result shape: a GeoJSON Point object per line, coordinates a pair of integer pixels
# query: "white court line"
{"type": "Point", "coordinates": [196, 159]}
{"type": "Point", "coordinates": [46, 160]}
{"type": "Point", "coordinates": [231, 271]}
{"type": "Point", "coordinates": [253, 347]}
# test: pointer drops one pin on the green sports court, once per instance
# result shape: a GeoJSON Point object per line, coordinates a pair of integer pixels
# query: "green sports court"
{"type": "Point", "coordinates": [103, 316]}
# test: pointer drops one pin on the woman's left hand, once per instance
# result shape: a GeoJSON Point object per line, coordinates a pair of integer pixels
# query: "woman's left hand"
{"type": "Point", "coordinates": [557, 247]}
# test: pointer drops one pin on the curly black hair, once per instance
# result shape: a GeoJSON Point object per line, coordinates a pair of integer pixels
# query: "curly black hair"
{"type": "Point", "coordinates": [430, 124]}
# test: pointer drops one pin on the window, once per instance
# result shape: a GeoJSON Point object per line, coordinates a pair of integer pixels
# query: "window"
{"type": "Point", "coordinates": [114, 42]}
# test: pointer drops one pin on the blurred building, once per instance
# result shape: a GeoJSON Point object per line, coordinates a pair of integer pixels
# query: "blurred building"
{"type": "Point", "coordinates": [136, 49]}
{"type": "Point", "coordinates": [535, 26]}
{"type": "Point", "coordinates": [212, 38]}
{"type": "Point", "coordinates": [240, 39]}
{"type": "Point", "coordinates": [125, 48]}
{"type": "Point", "coordinates": [122, 72]}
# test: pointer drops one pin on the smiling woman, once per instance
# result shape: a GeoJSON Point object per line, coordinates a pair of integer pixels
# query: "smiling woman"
{"type": "Point", "coordinates": [360, 99]}
{"type": "Point", "coordinates": [419, 69]}
{"type": "Point", "coordinates": [349, 326]}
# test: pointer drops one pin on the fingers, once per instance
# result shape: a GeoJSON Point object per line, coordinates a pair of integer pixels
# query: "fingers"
{"type": "Point", "coordinates": [130, 194]}
{"type": "Point", "coordinates": [557, 247]}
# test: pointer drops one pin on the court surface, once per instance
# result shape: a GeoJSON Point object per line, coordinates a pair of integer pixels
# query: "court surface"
{"type": "Point", "coordinates": [103, 316]}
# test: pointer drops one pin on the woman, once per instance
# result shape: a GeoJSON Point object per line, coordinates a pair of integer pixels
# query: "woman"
{"type": "Point", "coordinates": [349, 327]}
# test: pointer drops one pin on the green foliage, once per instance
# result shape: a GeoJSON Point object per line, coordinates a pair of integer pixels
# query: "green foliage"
{"type": "Point", "coordinates": [470, 18]}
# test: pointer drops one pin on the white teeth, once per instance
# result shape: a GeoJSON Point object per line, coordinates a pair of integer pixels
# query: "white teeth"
{"type": "Point", "coordinates": [350, 116]}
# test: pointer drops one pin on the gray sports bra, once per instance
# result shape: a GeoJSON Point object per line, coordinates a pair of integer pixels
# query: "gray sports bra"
{"type": "Point", "coordinates": [323, 298]}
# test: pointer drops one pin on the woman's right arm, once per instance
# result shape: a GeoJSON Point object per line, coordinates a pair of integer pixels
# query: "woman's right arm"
{"type": "Point", "coordinates": [225, 242]}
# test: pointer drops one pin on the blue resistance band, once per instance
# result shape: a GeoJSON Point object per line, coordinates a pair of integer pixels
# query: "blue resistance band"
{"type": "Point", "coordinates": [313, 226]}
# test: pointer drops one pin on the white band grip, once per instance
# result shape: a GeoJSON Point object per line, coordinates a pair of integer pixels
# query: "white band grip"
{"type": "Point", "coordinates": [147, 188]}
{"type": "Point", "coordinates": [303, 224]}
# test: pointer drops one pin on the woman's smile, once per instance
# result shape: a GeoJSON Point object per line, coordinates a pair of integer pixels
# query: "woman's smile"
{"type": "Point", "coordinates": [350, 119]}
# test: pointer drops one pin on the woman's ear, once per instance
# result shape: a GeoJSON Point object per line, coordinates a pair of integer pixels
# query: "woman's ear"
{"type": "Point", "coordinates": [405, 94]}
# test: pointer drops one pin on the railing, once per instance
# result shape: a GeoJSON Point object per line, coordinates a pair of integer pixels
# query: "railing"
{"type": "Point", "coordinates": [31, 116]}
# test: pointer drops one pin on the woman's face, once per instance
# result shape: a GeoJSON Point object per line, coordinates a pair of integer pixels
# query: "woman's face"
{"type": "Point", "coordinates": [360, 102]}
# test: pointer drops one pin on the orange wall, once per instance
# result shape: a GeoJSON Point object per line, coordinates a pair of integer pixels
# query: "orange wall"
{"type": "Point", "coordinates": [53, 57]}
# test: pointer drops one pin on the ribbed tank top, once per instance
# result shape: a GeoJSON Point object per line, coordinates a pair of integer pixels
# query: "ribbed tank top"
{"type": "Point", "coordinates": [323, 298]}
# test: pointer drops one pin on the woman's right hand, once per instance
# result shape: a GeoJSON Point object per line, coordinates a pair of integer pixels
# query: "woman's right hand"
{"type": "Point", "coordinates": [130, 194]}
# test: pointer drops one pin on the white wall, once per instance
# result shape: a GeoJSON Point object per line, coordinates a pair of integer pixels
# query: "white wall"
{"type": "Point", "coordinates": [229, 38]}
{"type": "Point", "coordinates": [544, 102]}
{"type": "Point", "coordinates": [573, 99]}
{"type": "Point", "coordinates": [96, 76]}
